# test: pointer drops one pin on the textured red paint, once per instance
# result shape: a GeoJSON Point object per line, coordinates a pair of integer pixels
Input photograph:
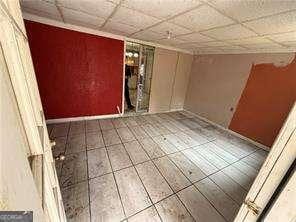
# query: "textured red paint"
{"type": "Point", "coordinates": [78, 74]}
{"type": "Point", "coordinates": [265, 102]}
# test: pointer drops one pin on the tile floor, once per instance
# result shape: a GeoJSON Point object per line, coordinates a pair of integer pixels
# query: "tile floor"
{"type": "Point", "coordinates": [160, 167]}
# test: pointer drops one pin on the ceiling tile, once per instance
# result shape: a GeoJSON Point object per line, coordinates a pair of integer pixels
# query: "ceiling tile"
{"type": "Point", "coordinates": [187, 46]}
{"type": "Point", "coordinates": [41, 8]}
{"type": "Point", "coordinates": [172, 41]}
{"type": "Point", "coordinates": [252, 40]}
{"type": "Point", "coordinates": [275, 24]}
{"type": "Point", "coordinates": [268, 46]}
{"type": "Point", "coordinates": [161, 8]}
{"type": "Point", "coordinates": [230, 47]}
{"type": "Point", "coordinates": [134, 18]}
{"type": "Point", "coordinates": [100, 8]}
{"type": "Point", "coordinates": [147, 36]}
{"type": "Point", "coordinates": [203, 17]}
{"type": "Point", "coordinates": [290, 44]}
{"type": "Point", "coordinates": [80, 18]}
{"type": "Point", "coordinates": [230, 32]}
{"type": "Point", "coordinates": [289, 36]}
{"type": "Point", "coordinates": [166, 26]}
{"type": "Point", "coordinates": [246, 10]}
{"type": "Point", "coordinates": [195, 37]}
{"type": "Point", "coordinates": [213, 44]}
{"type": "Point", "coordinates": [119, 28]}
{"type": "Point", "coordinates": [207, 51]}
{"type": "Point", "coordinates": [114, 1]}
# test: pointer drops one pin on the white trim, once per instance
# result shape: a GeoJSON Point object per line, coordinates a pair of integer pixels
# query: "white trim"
{"type": "Point", "coordinates": [175, 110]}
{"type": "Point", "coordinates": [150, 113]}
{"type": "Point", "coordinates": [60, 24]}
{"type": "Point", "coordinates": [230, 131]}
{"type": "Point", "coordinates": [123, 79]}
{"type": "Point", "coordinates": [80, 118]}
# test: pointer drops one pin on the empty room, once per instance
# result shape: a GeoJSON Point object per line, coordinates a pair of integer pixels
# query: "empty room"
{"type": "Point", "coordinates": [148, 110]}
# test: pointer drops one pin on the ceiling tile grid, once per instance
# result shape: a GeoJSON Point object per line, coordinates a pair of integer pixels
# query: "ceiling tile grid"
{"type": "Point", "coordinates": [119, 28]}
{"type": "Point", "coordinates": [41, 8]}
{"type": "Point", "coordinates": [251, 40]}
{"type": "Point", "coordinates": [284, 22]}
{"type": "Point", "coordinates": [134, 18]}
{"type": "Point", "coordinates": [161, 9]}
{"type": "Point", "coordinates": [148, 35]}
{"type": "Point", "coordinates": [195, 37]}
{"type": "Point", "coordinates": [80, 18]}
{"type": "Point", "coordinates": [244, 10]}
{"type": "Point", "coordinates": [165, 27]}
{"type": "Point", "coordinates": [283, 37]}
{"type": "Point", "coordinates": [100, 8]}
{"type": "Point", "coordinates": [170, 42]}
{"type": "Point", "coordinates": [200, 26]}
{"type": "Point", "coordinates": [263, 46]}
{"type": "Point", "coordinates": [201, 18]}
{"type": "Point", "coordinates": [236, 31]}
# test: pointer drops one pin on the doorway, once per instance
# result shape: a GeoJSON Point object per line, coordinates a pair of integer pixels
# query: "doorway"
{"type": "Point", "coordinates": [138, 75]}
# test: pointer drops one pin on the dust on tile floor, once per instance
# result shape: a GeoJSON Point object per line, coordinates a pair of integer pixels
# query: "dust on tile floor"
{"type": "Point", "coordinates": [160, 167]}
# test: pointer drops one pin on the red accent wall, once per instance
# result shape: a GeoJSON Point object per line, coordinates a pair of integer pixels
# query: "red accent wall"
{"type": "Point", "coordinates": [265, 102]}
{"type": "Point", "coordinates": [78, 74]}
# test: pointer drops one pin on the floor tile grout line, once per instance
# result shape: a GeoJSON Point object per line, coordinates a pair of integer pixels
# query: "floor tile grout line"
{"type": "Point", "coordinates": [207, 176]}
{"type": "Point", "coordinates": [114, 177]}
{"type": "Point", "coordinates": [174, 193]}
{"type": "Point", "coordinates": [88, 186]}
{"type": "Point", "coordinates": [139, 179]}
{"type": "Point", "coordinates": [187, 117]}
{"type": "Point", "coordinates": [229, 178]}
{"type": "Point", "coordinates": [166, 154]}
{"type": "Point", "coordinates": [152, 159]}
{"type": "Point", "coordinates": [61, 170]}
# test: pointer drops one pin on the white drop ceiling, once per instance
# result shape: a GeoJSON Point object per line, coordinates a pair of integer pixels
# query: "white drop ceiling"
{"type": "Point", "coordinates": [200, 26]}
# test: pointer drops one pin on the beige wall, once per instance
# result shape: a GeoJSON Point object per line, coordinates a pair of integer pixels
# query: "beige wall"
{"type": "Point", "coordinates": [217, 81]}
{"type": "Point", "coordinates": [169, 80]}
{"type": "Point", "coordinates": [181, 81]}
{"type": "Point", "coordinates": [17, 186]}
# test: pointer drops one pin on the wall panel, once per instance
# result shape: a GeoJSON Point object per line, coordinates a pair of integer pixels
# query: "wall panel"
{"type": "Point", "coordinates": [267, 98]}
{"type": "Point", "coordinates": [164, 67]}
{"type": "Point", "coordinates": [181, 80]}
{"type": "Point", "coordinates": [78, 74]}
{"type": "Point", "coordinates": [249, 93]}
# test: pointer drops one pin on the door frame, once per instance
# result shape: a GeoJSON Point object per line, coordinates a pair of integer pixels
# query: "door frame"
{"type": "Point", "coordinates": [272, 172]}
{"type": "Point", "coordinates": [16, 53]}
{"type": "Point", "coordinates": [137, 90]}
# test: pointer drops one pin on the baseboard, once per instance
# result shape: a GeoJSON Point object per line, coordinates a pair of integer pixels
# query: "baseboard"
{"type": "Point", "coordinates": [166, 111]}
{"type": "Point", "coordinates": [230, 131]}
{"type": "Point", "coordinates": [80, 118]}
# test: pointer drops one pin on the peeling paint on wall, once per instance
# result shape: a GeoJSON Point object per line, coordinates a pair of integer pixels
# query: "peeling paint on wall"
{"type": "Point", "coordinates": [266, 100]}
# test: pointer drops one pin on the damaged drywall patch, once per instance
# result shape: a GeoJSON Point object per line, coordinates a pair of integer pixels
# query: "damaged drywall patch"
{"type": "Point", "coordinates": [266, 100]}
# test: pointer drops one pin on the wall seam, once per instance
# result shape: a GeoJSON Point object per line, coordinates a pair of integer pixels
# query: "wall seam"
{"type": "Point", "coordinates": [174, 81]}
{"type": "Point", "coordinates": [189, 80]}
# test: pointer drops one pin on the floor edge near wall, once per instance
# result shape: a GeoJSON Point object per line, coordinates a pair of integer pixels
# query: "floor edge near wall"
{"type": "Point", "coordinates": [264, 147]}
{"type": "Point", "coordinates": [80, 118]}
{"type": "Point", "coordinates": [63, 120]}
